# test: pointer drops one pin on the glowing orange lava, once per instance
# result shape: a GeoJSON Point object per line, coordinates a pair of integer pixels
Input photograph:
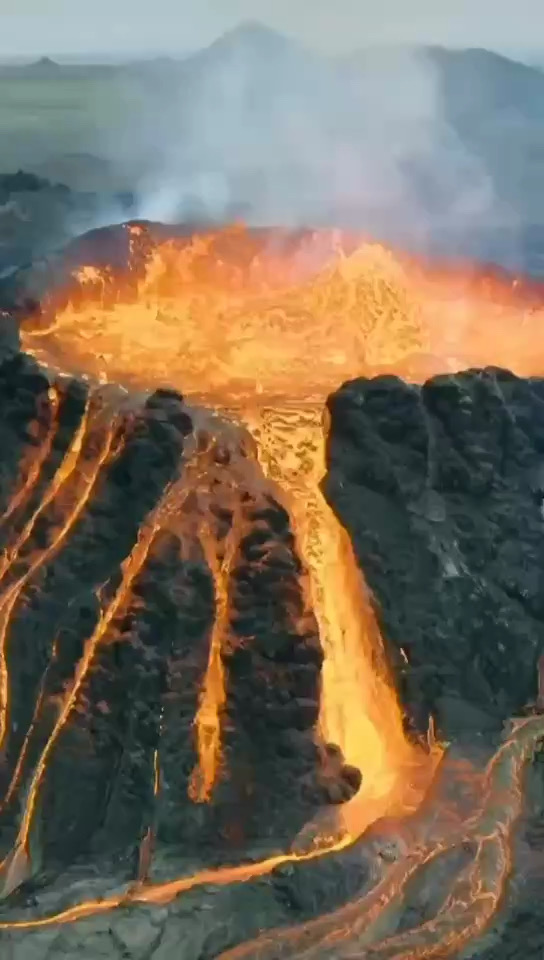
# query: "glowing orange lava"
{"type": "Point", "coordinates": [246, 325]}
{"type": "Point", "coordinates": [262, 327]}
{"type": "Point", "coordinates": [359, 708]}
{"type": "Point", "coordinates": [235, 315]}
{"type": "Point", "coordinates": [208, 718]}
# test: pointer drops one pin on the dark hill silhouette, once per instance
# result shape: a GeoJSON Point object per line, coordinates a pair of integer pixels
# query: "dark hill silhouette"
{"type": "Point", "coordinates": [45, 64]}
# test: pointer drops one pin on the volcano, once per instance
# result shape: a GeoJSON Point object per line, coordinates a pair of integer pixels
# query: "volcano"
{"type": "Point", "coordinates": [270, 600]}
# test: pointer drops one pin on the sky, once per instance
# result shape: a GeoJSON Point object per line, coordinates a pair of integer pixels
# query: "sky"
{"type": "Point", "coordinates": [126, 27]}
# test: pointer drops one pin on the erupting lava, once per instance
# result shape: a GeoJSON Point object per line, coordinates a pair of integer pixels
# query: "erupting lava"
{"type": "Point", "coordinates": [261, 327]}
{"type": "Point", "coordinates": [237, 316]}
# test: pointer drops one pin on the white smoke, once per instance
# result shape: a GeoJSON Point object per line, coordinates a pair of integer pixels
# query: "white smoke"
{"type": "Point", "coordinates": [173, 199]}
{"type": "Point", "coordinates": [258, 129]}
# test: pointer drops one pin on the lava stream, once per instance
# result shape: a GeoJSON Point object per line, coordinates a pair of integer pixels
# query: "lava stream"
{"type": "Point", "coordinates": [10, 596]}
{"type": "Point", "coordinates": [18, 866]}
{"type": "Point", "coordinates": [359, 708]}
{"type": "Point", "coordinates": [208, 718]}
{"type": "Point", "coordinates": [32, 472]}
{"type": "Point", "coordinates": [369, 922]}
{"type": "Point", "coordinates": [360, 924]}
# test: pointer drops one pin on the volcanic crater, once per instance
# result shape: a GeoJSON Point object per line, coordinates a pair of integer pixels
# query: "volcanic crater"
{"type": "Point", "coordinates": [271, 601]}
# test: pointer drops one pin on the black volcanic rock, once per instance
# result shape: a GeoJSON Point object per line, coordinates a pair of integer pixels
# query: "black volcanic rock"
{"type": "Point", "coordinates": [273, 661]}
{"type": "Point", "coordinates": [107, 609]}
{"type": "Point", "coordinates": [61, 584]}
{"type": "Point", "coordinates": [441, 489]}
{"type": "Point", "coordinates": [39, 216]}
{"type": "Point", "coordinates": [45, 65]}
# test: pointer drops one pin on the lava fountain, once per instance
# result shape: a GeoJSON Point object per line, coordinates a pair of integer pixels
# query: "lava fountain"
{"type": "Point", "coordinates": [259, 326]}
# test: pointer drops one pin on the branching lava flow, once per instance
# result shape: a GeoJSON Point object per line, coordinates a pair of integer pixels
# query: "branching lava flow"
{"type": "Point", "coordinates": [260, 328]}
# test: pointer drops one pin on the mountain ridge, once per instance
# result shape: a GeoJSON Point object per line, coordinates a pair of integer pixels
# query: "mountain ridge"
{"type": "Point", "coordinates": [252, 31]}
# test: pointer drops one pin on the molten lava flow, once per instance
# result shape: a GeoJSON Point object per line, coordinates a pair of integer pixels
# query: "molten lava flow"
{"type": "Point", "coordinates": [84, 486]}
{"type": "Point", "coordinates": [262, 326]}
{"type": "Point", "coordinates": [18, 865]}
{"type": "Point", "coordinates": [359, 711]}
{"type": "Point", "coordinates": [242, 321]}
{"type": "Point", "coordinates": [33, 470]}
{"type": "Point", "coordinates": [145, 854]}
{"type": "Point", "coordinates": [208, 718]}
{"type": "Point", "coordinates": [237, 314]}
{"type": "Point", "coordinates": [475, 894]}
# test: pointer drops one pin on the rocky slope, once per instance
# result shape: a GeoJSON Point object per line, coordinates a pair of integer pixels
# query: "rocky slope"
{"type": "Point", "coordinates": [115, 568]}
{"type": "Point", "coordinates": [440, 488]}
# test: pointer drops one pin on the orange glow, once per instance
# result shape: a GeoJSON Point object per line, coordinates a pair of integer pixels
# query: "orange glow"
{"type": "Point", "coordinates": [236, 314]}
{"type": "Point", "coordinates": [208, 717]}
{"type": "Point", "coordinates": [21, 759]}
{"type": "Point", "coordinates": [423, 842]}
{"type": "Point", "coordinates": [32, 471]}
{"type": "Point", "coordinates": [359, 707]}
{"type": "Point", "coordinates": [145, 855]}
{"type": "Point", "coordinates": [10, 596]}
{"type": "Point", "coordinates": [18, 865]}
{"type": "Point", "coordinates": [162, 893]}
{"type": "Point", "coordinates": [262, 326]}
{"type": "Point", "coordinates": [476, 891]}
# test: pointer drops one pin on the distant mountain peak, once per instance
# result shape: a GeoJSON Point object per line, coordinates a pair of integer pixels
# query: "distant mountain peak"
{"type": "Point", "coordinates": [255, 38]}
{"type": "Point", "coordinates": [45, 63]}
{"type": "Point", "coordinates": [254, 31]}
